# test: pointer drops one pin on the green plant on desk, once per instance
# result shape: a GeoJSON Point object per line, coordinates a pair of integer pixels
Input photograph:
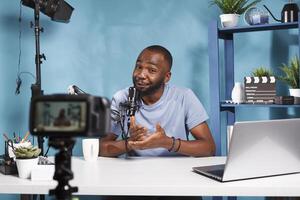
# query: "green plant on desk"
{"type": "Point", "coordinates": [26, 159]}
{"type": "Point", "coordinates": [27, 152]}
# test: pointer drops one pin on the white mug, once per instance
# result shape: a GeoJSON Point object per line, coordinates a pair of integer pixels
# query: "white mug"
{"type": "Point", "coordinates": [90, 148]}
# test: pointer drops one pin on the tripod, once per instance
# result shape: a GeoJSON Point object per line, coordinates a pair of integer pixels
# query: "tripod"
{"type": "Point", "coordinates": [63, 173]}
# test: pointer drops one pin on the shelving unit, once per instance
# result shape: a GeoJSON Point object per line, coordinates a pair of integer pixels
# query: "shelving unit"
{"type": "Point", "coordinates": [217, 104]}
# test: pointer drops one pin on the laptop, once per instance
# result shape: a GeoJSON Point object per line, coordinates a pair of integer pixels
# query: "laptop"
{"type": "Point", "coordinates": [259, 149]}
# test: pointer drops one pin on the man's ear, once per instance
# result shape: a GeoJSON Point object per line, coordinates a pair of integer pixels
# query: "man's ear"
{"type": "Point", "coordinates": [167, 77]}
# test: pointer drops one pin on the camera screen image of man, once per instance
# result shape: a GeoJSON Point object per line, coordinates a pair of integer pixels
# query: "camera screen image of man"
{"type": "Point", "coordinates": [61, 119]}
{"type": "Point", "coordinates": [166, 115]}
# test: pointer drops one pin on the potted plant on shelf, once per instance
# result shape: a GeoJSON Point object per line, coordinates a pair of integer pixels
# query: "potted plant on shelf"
{"type": "Point", "coordinates": [291, 76]}
{"type": "Point", "coordinates": [260, 87]}
{"type": "Point", "coordinates": [232, 9]}
{"type": "Point", "coordinates": [26, 159]}
{"type": "Point", "coordinates": [262, 72]}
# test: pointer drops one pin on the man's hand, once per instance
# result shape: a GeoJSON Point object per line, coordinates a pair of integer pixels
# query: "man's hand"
{"type": "Point", "coordinates": [137, 132]}
{"type": "Point", "coordinates": [155, 140]}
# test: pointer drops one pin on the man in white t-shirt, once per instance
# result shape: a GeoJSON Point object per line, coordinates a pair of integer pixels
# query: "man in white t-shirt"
{"type": "Point", "coordinates": [166, 114]}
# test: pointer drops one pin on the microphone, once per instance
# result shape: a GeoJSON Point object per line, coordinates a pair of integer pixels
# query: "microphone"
{"type": "Point", "coordinates": [133, 96]}
{"type": "Point", "coordinates": [129, 107]}
{"type": "Point", "coordinates": [74, 90]}
{"type": "Point", "coordinates": [19, 83]}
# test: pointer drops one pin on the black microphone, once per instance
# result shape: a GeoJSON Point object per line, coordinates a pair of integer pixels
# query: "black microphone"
{"type": "Point", "coordinates": [133, 97]}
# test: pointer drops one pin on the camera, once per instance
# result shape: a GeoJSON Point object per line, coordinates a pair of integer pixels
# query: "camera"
{"type": "Point", "coordinates": [62, 115]}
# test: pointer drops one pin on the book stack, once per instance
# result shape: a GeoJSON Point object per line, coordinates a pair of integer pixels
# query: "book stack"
{"type": "Point", "coordinates": [260, 90]}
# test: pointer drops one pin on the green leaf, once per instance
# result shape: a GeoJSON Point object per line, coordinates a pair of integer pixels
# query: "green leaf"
{"type": "Point", "coordinates": [261, 71]}
{"type": "Point", "coordinates": [27, 152]}
{"type": "Point", "coordinates": [291, 73]}
{"type": "Point", "coordinates": [233, 6]}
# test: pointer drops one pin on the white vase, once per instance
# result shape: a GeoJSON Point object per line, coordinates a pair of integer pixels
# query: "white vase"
{"type": "Point", "coordinates": [229, 20]}
{"type": "Point", "coordinates": [25, 166]}
{"type": "Point", "coordinates": [237, 94]}
{"type": "Point", "coordinates": [295, 92]}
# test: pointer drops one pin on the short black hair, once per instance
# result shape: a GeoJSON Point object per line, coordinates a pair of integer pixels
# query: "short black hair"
{"type": "Point", "coordinates": [163, 51]}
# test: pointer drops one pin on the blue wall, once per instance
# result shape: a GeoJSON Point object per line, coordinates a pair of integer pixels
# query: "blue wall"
{"type": "Point", "coordinates": [98, 48]}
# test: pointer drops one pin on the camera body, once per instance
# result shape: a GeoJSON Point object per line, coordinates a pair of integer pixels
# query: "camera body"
{"type": "Point", "coordinates": [62, 115]}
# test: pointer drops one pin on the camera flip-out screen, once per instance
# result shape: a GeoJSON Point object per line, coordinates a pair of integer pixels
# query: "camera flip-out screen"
{"type": "Point", "coordinates": [69, 116]}
{"type": "Point", "coordinates": [61, 116]}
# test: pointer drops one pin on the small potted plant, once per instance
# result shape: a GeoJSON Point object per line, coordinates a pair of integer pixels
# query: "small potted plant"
{"type": "Point", "coordinates": [26, 159]}
{"type": "Point", "coordinates": [262, 72]}
{"type": "Point", "coordinates": [291, 76]}
{"type": "Point", "coordinates": [260, 86]}
{"type": "Point", "coordinates": [232, 9]}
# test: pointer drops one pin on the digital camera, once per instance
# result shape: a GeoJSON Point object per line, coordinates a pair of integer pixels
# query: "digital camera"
{"type": "Point", "coordinates": [62, 115]}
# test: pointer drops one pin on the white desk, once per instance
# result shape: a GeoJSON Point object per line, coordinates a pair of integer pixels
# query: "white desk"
{"type": "Point", "coordinates": [154, 176]}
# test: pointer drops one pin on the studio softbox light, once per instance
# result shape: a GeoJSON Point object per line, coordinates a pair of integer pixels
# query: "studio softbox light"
{"type": "Point", "coordinates": [57, 10]}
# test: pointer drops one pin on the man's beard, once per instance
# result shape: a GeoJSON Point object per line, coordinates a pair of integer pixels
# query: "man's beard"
{"type": "Point", "coordinates": [151, 89]}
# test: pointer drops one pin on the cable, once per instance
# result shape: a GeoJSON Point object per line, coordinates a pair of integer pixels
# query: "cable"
{"type": "Point", "coordinates": [20, 37]}
{"type": "Point", "coordinates": [19, 73]}
{"type": "Point", "coordinates": [47, 152]}
{"type": "Point", "coordinates": [19, 80]}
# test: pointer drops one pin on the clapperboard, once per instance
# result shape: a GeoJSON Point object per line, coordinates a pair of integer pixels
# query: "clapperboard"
{"type": "Point", "coordinates": [260, 89]}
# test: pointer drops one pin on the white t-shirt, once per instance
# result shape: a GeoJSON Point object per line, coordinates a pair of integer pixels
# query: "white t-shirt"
{"type": "Point", "coordinates": [177, 111]}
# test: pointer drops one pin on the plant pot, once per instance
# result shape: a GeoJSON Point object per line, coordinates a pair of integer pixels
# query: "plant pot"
{"type": "Point", "coordinates": [229, 20]}
{"type": "Point", "coordinates": [295, 92]}
{"type": "Point", "coordinates": [25, 166]}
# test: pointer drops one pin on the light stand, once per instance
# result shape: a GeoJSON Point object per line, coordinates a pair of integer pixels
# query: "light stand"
{"type": "Point", "coordinates": [36, 88]}
{"type": "Point", "coordinates": [58, 10]}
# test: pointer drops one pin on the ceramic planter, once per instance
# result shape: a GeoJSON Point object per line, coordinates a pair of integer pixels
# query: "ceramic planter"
{"type": "Point", "coordinates": [25, 166]}
{"type": "Point", "coordinates": [295, 92]}
{"type": "Point", "coordinates": [229, 20]}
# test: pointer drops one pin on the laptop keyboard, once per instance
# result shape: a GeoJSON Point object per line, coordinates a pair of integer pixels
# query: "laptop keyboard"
{"type": "Point", "coordinates": [214, 171]}
{"type": "Point", "coordinates": [218, 173]}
